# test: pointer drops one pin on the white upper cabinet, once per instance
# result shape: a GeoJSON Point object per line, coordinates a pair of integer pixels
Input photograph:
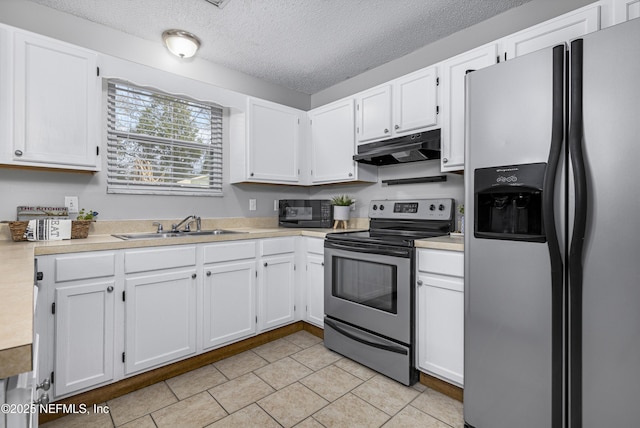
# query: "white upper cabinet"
{"type": "Point", "coordinates": [374, 114]}
{"type": "Point", "coordinates": [273, 142]}
{"type": "Point", "coordinates": [333, 145]}
{"type": "Point", "coordinates": [415, 102]}
{"type": "Point", "coordinates": [624, 10]}
{"type": "Point", "coordinates": [403, 106]}
{"type": "Point", "coordinates": [453, 73]}
{"type": "Point", "coordinates": [558, 30]}
{"type": "Point", "coordinates": [55, 103]}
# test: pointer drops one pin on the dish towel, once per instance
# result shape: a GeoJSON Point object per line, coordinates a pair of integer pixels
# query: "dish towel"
{"type": "Point", "coordinates": [48, 229]}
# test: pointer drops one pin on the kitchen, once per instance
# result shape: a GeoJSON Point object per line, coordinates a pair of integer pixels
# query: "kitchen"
{"type": "Point", "coordinates": [33, 186]}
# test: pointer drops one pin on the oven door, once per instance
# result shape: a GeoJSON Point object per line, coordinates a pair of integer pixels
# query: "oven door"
{"type": "Point", "coordinates": [369, 286]}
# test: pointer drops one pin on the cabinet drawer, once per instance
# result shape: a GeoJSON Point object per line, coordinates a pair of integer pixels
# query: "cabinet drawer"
{"type": "Point", "coordinates": [70, 268]}
{"type": "Point", "coordinates": [272, 246]}
{"type": "Point", "coordinates": [315, 245]}
{"type": "Point", "coordinates": [161, 258]}
{"type": "Point", "coordinates": [229, 251]}
{"type": "Point", "coordinates": [442, 262]}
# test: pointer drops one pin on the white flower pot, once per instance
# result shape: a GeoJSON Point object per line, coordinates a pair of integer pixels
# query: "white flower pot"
{"type": "Point", "coordinates": [341, 212]}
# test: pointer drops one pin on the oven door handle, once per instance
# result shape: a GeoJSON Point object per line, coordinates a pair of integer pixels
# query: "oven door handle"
{"type": "Point", "coordinates": [362, 249]}
{"type": "Point", "coordinates": [390, 348]}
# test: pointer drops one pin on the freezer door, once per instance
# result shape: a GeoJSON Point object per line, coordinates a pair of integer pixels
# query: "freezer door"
{"type": "Point", "coordinates": [508, 287]}
{"type": "Point", "coordinates": [611, 268]}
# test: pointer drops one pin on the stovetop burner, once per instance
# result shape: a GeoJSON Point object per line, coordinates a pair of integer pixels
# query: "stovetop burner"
{"type": "Point", "coordinates": [401, 222]}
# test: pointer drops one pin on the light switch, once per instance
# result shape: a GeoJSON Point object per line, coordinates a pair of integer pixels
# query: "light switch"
{"type": "Point", "coordinates": [252, 204]}
{"type": "Point", "coordinates": [71, 202]}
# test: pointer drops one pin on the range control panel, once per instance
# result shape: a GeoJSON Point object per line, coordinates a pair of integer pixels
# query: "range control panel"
{"type": "Point", "coordinates": [417, 209]}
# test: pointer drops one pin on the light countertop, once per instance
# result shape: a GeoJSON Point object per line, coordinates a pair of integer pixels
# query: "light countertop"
{"type": "Point", "coordinates": [17, 277]}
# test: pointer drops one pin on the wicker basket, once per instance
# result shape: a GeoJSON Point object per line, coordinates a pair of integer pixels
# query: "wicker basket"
{"type": "Point", "coordinates": [79, 229]}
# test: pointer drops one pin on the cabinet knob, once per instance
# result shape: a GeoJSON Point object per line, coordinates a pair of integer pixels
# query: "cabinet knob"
{"type": "Point", "coordinates": [322, 264]}
{"type": "Point", "coordinates": [18, 152]}
{"type": "Point", "coordinates": [110, 289]}
{"type": "Point", "coordinates": [208, 273]}
{"type": "Point", "coordinates": [266, 264]}
{"type": "Point", "coordinates": [251, 174]}
{"type": "Point", "coordinates": [445, 160]}
{"type": "Point", "coordinates": [386, 131]}
{"type": "Point", "coordinates": [43, 400]}
{"type": "Point", "coordinates": [419, 282]}
{"type": "Point", "coordinates": [396, 127]}
{"type": "Point", "coordinates": [350, 174]}
{"type": "Point", "coordinates": [193, 276]}
{"type": "Point", "coordinates": [45, 385]}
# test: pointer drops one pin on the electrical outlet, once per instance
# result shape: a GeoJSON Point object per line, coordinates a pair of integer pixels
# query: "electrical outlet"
{"type": "Point", "coordinates": [252, 204]}
{"type": "Point", "coordinates": [71, 202]}
{"type": "Point", "coordinates": [353, 206]}
{"type": "Point", "coordinates": [275, 205]}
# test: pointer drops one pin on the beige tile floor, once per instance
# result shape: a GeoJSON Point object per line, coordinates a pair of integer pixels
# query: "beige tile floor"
{"type": "Point", "coordinates": [293, 381]}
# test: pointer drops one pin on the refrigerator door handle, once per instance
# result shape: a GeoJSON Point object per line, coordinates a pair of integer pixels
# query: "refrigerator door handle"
{"type": "Point", "coordinates": [555, 255]}
{"type": "Point", "coordinates": [578, 233]}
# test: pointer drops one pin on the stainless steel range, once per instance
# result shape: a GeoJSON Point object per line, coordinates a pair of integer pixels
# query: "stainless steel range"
{"type": "Point", "coordinates": [369, 284]}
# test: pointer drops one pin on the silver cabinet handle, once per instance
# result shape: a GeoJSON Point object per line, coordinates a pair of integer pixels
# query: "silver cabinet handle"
{"type": "Point", "coordinates": [18, 152]}
{"type": "Point", "coordinates": [110, 289]}
{"type": "Point", "coordinates": [193, 276]}
{"type": "Point", "coordinates": [386, 131]}
{"type": "Point", "coordinates": [396, 127]}
{"type": "Point", "coordinates": [208, 273]}
{"type": "Point", "coordinates": [420, 282]}
{"type": "Point", "coordinates": [445, 160]}
{"type": "Point", "coordinates": [266, 264]}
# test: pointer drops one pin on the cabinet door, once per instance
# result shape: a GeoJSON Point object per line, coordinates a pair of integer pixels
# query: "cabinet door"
{"type": "Point", "coordinates": [374, 114]}
{"type": "Point", "coordinates": [160, 318]}
{"type": "Point", "coordinates": [333, 142]}
{"type": "Point", "coordinates": [315, 289]}
{"type": "Point", "coordinates": [440, 327]}
{"type": "Point", "coordinates": [559, 30]}
{"type": "Point", "coordinates": [275, 291]}
{"type": "Point", "coordinates": [453, 73]}
{"type": "Point", "coordinates": [273, 142]}
{"type": "Point", "coordinates": [415, 101]}
{"type": "Point", "coordinates": [624, 10]}
{"type": "Point", "coordinates": [229, 303]}
{"type": "Point", "coordinates": [84, 336]}
{"type": "Point", "coordinates": [56, 109]}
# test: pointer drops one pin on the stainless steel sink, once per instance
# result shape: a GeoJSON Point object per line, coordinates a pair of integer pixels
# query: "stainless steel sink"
{"type": "Point", "coordinates": [180, 234]}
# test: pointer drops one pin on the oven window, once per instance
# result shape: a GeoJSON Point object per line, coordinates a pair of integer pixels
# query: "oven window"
{"type": "Point", "coordinates": [367, 283]}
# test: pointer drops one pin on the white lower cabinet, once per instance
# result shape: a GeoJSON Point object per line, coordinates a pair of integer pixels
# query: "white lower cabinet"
{"type": "Point", "coordinates": [440, 314]}
{"type": "Point", "coordinates": [160, 318]}
{"type": "Point", "coordinates": [229, 293]}
{"type": "Point", "coordinates": [81, 291]}
{"type": "Point", "coordinates": [160, 306]}
{"type": "Point", "coordinates": [84, 326]}
{"type": "Point", "coordinates": [315, 281]}
{"type": "Point", "coordinates": [276, 283]}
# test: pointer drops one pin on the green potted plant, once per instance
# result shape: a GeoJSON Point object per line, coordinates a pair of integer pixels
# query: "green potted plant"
{"type": "Point", "coordinates": [341, 206]}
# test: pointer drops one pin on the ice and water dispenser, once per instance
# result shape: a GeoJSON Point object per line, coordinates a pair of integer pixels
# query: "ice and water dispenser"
{"type": "Point", "coordinates": [508, 202]}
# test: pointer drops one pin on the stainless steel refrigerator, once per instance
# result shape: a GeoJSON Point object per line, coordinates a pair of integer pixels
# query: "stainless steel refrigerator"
{"type": "Point", "coordinates": [552, 245]}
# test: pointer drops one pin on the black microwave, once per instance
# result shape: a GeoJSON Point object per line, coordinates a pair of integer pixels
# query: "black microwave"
{"type": "Point", "coordinates": [305, 213]}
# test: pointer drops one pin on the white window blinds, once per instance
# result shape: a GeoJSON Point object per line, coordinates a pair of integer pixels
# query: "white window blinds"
{"type": "Point", "coordinates": [162, 144]}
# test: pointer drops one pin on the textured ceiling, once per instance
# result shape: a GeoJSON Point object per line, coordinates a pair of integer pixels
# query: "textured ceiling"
{"type": "Point", "coordinates": [305, 45]}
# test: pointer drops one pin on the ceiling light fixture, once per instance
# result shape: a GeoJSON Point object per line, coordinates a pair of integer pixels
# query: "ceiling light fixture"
{"type": "Point", "coordinates": [181, 43]}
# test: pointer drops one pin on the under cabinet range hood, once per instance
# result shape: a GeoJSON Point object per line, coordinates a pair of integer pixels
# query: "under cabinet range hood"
{"type": "Point", "coordinates": [410, 148]}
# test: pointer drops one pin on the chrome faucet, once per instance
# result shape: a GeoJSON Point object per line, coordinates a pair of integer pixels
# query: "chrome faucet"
{"type": "Point", "coordinates": [188, 220]}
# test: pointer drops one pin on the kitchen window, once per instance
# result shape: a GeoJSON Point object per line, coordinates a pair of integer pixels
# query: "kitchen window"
{"type": "Point", "coordinates": [162, 144]}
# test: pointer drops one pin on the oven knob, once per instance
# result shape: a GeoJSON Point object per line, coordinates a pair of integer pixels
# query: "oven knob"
{"type": "Point", "coordinates": [381, 207]}
{"type": "Point", "coordinates": [432, 207]}
{"type": "Point", "coordinates": [441, 207]}
{"type": "Point", "coordinates": [375, 207]}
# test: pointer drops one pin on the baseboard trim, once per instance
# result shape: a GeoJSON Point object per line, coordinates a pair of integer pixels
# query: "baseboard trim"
{"type": "Point", "coordinates": [440, 385]}
{"type": "Point", "coordinates": [125, 386]}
